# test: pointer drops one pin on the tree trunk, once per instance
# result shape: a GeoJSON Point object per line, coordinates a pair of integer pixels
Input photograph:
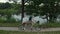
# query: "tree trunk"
{"type": "Point", "coordinates": [22, 11]}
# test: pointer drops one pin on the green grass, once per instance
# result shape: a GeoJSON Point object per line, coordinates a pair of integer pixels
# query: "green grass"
{"type": "Point", "coordinates": [51, 25]}
{"type": "Point", "coordinates": [17, 32]}
{"type": "Point", "coordinates": [17, 24]}
{"type": "Point", "coordinates": [9, 24]}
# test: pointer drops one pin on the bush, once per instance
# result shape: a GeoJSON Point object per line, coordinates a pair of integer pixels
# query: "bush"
{"type": "Point", "coordinates": [11, 20]}
{"type": "Point", "coordinates": [2, 20]}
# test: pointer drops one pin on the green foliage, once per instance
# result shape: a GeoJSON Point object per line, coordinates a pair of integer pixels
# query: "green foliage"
{"type": "Point", "coordinates": [11, 20]}
{"type": "Point", "coordinates": [52, 7]}
{"type": "Point", "coordinates": [5, 5]}
{"type": "Point", "coordinates": [8, 9]}
{"type": "Point", "coordinates": [31, 9]}
{"type": "Point", "coordinates": [12, 24]}
{"type": "Point", "coordinates": [51, 24]}
{"type": "Point", "coordinates": [2, 19]}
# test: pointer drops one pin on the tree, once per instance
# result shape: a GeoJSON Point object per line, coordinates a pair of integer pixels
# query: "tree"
{"type": "Point", "coordinates": [7, 9]}
{"type": "Point", "coordinates": [22, 8]}
{"type": "Point", "coordinates": [50, 6]}
{"type": "Point", "coordinates": [5, 5]}
{"type": "Point", "coordinates": [32, 8]}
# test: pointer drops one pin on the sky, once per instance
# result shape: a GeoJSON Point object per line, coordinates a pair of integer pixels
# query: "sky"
{"type": "Point", "coordinates": [4, 1]}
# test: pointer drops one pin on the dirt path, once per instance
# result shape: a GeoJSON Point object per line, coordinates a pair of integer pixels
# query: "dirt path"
{"type": "Point", "coordinates": [9, 28]}
{"type": "Point", "coordinates": [51, 29]}
{"type": "Point", "coordinates": [17, 29]}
